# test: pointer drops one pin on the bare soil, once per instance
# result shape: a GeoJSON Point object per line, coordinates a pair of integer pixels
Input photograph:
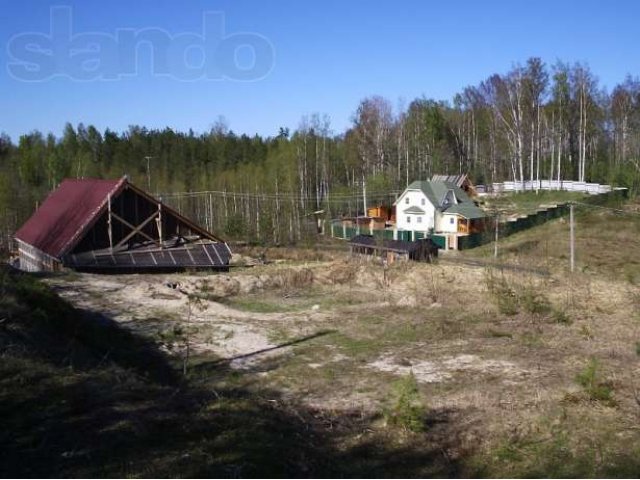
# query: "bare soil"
{"type": "Point", "coordinates": [334, 335]}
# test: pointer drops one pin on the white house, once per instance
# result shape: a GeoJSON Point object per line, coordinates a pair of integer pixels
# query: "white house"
{"type": "Point", "coordinates": [437, 207]}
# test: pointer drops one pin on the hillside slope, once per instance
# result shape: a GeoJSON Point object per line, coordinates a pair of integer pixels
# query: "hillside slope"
{"type": "Point", "coordinates": [80, 396]}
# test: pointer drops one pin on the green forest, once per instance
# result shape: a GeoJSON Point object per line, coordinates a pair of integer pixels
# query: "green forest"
{"type": "Point", "coordinates": [536, 121]}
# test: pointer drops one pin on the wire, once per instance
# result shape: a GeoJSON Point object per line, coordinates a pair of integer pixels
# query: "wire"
{"type": "Point", "coordinates": [278, 196]}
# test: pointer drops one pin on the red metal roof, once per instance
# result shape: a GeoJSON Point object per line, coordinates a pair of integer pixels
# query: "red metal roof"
{"type": "Point", "coordinates": [65, 214]}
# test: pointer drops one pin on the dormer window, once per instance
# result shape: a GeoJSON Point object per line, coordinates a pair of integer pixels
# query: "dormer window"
{"type": "Point", "coordinates": [423, 202]}
{"type": "Point", "coordinates": [449, 199]}
{"type": "Point", "coordinates": [406, 200]}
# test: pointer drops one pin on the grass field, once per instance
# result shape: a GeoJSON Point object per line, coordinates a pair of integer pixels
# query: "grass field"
{"type": "Point", "coordinates": [523, 203]}
{"type": "Point", "coordinates": [607, 243]}
{"type": "Point", "coordinates": [322, 366]}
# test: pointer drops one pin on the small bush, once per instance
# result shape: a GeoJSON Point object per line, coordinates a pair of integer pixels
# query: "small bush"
{"type": "Point", "coordinates": [171, 335]}
{"type": "Point", "coordinates": [535, 302]}
{"type": "Point", "coordinates": [596, 390]}
{"type": "Point", "coordinates": [504, 296]}
{"type": "Point", "coordinates": [407, 411]}
{"type": "Point", "coordinates": [638, 348]}
{"type": "Point", "coordinates": [560, 316]}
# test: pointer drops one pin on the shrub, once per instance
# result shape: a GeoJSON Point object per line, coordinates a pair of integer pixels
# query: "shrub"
{"type": "Point", "coordinates": [535, 302]}
{"type": "Point", "coordinates": [560, 316]}
{"type": "Point", "coordinates": [407, 411]}
{"type": "Point", "coordinates": [504, 296]}
{"type": "Point", "coordinates": [596, 390]}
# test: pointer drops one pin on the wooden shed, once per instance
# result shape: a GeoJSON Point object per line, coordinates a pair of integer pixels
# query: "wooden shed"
{"type": "Point", "coordinates": [111, 225]}
{"type": "Point", "coordinates": [423, 250]}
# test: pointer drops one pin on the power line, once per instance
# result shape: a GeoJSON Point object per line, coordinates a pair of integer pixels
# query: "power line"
{"type": "Point", "coordinates": [278, 196]}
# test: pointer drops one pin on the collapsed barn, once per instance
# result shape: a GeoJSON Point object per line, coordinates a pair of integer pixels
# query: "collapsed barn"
{"type": "Point", "coordinates": [111, 225]}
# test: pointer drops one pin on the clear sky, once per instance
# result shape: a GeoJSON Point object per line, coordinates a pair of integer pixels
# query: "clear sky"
{"type": "Point", "coordinates": [328, 56]}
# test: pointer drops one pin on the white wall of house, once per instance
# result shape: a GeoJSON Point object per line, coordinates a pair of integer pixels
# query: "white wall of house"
{"type": "Point", "coordinates": [413, 221]}
{"type": "Point", "coordinates": [447, 223]}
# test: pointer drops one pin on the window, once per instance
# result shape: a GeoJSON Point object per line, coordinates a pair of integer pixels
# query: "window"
{"type": "Point", "coordinates": [408, 219]}
{"type": "Point", "coordinates": [419, 219]}
{"type": "Point", "coordinates": [423, 201]}
{"type": "Point", "coordinates": [406, 200]}
{"type": "Point", "coordinates": [452, 220]}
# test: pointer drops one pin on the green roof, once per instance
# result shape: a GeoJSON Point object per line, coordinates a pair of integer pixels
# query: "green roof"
{"type": "Point", "coordinates": [436, 190]}
{"type": "Point", "coordinates": [467, 210]}
{"type": "Point", "coordinates": [426, 188]}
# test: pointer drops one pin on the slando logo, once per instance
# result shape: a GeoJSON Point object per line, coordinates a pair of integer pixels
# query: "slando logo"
{"type": "Point", "coordinates": [211, 55]}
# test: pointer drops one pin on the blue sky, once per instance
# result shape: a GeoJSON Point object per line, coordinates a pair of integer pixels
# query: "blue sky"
{"type": "Point", "coordinates": [328, 56]}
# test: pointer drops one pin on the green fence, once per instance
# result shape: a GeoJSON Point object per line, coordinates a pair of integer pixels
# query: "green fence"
{"type": "Point", "coordinates": [476, 239]}
{"type": "Point", "coordinates": [384, 234]}
{"type": "Point", "coordinates": [404, 235]}
{"type": "Point", "coordinates": [473, 240]}
{"type": "Point", "coordinates": [440, 241]}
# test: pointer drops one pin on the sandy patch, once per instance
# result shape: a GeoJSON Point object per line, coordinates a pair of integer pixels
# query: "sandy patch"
{"type": "Point", "coordinates": [444, 369]}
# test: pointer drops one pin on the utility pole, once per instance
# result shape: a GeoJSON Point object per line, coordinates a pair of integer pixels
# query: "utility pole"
{"type": "Point", "coordinates": [572, 237]}
{"type": "Point", "coordinates": [495, 246]}
{"type": "Point", "coordinates": [364, 195]}
{"type": "Point", "coordinates": [147, 158]}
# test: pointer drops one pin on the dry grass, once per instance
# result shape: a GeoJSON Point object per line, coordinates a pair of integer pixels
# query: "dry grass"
{"type": "Point", "coordinates": [498, 382]}
{"type": "Point", "coordinates": [522, 203]}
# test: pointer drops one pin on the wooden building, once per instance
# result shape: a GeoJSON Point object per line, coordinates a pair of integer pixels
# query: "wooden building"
{"type": "Point", "coordinates": [393, 250]}
{"type": "Point", "coordinates": [111, 225]}
{"type": "Point", "coordinates": [461, 181]}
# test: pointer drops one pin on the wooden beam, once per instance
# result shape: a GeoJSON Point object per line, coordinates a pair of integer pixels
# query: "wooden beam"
{"type": "Point", "coordinates": [159, 222]}
{"type": "Point", "coordinates": [135, 230]}
{"type": "Point", "coordinates": [109, 223]}
{"type": "Point", "coordinates": [195, 228]}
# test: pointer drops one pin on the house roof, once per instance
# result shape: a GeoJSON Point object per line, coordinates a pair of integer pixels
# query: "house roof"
{"type": "Point", "coordinates": [436, 190]}
{"type": "Point", "coordinates": [65, 213]}
{"type": "Point", "coordinates": [414, 209]}
{"type": "Point", "coordinates": [455, 179]}
{"type": "Point", "coordinates": [467, 210]}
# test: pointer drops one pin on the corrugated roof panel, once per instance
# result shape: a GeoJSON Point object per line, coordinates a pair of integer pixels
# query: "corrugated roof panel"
{"type": "Point", "coordinates": [66, 211]}
{"type": "Point", "coordinates": [192, 255]}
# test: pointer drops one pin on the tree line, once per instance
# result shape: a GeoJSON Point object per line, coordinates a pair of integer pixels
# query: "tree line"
{"type": "Point", "coordinates": [536, 121]}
